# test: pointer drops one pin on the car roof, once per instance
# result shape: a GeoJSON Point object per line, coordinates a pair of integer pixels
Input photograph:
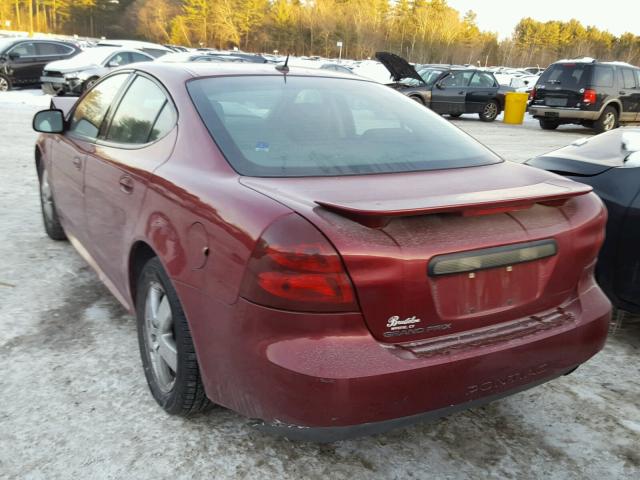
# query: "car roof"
{"type": "Point", "coordinates": [186, 71]}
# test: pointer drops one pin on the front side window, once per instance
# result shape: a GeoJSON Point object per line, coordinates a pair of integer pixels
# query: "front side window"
{"type": "Point", "coordinates": [311, 126]}
{"type": "Point", "coordinates": [119, 59]}
{"type": "Point", "coordinates": [24, 49]}
{"type": "Point", "coordinates": [90, 112]}
{"type": "Point", "coordinates": [457, 79]}
{"type": "Point", "coordinates": [136, 119]}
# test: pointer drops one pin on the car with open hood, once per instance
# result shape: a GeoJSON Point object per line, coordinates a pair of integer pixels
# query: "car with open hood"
{"type": "Point", "coordinates": [446, 89]}
{"type": "Point", "coordinates": [74, 76]}
{"type": "Point", "coordinates": [610, 163]}
{"type": "Point", "coordinates": [315, 250]}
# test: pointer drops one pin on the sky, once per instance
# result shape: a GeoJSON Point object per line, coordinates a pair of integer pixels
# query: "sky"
{"type": "Point", "coordinates": [616, 16]}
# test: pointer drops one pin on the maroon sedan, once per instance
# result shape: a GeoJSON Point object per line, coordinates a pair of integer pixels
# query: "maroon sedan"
{"type": "Point", "coordinates": [318, 251]}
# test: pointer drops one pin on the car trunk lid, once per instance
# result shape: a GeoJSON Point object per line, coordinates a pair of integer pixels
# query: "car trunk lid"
{"type": "Point", "coordinates": [560, 84]}
{"type": "Point", "coordinates": [393, 232]}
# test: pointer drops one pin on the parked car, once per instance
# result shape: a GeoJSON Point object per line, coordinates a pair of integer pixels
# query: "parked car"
{"type": "Point", "coordinates": [154, 49]}
{"type": "Point", "coordinates": [447, 90]}
{"type": "Point", "coordinates": [22, 59]}
{"type": "Point", "coordinates": [598, 95]}
{"type": "Point", "coordinates": [316, 250]}
{"type": "Point", "coordinates": [610, 163]}
{"type": "Point", "coordinates": [74, 76]}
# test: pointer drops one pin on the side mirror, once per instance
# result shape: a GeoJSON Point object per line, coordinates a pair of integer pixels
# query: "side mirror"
{"type": "Point", "coordinates": [49, 121]}
{"type": "Point", "coordinates": [440, 86]}
{"type": "Point", "coordinates": [113, 64]}
{"type": "Point", "coordinates": [526, 82]}
{"type": "Point", "coordinates": [14, 55]}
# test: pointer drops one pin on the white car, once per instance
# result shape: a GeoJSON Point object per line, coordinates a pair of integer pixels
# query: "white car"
{"type": "Point", "coordinates": [74, 76]}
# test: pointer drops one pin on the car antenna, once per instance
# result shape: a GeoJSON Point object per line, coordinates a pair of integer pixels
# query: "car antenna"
{"type": "Point", "coordinates": [284, 68]}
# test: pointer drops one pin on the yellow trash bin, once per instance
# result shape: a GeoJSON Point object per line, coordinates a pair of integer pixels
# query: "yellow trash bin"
{"type": "Point", "coordinates": [515, 105]}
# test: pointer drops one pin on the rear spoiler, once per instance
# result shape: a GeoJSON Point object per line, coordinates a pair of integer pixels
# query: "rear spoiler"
{"type": "Point", "coordinates": [63, 103]}
{"type": "Point", "coordinates": [373, 213]}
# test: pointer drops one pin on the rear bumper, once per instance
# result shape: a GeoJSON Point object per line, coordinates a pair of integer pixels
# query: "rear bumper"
{"type": "Point", "coordinates": [324, 377]}
{"type": "Point", "coordinates": [563, 113]}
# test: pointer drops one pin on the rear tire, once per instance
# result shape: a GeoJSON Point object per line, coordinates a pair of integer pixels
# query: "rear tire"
{"type": "Point", "coordinates": [607, 121]}
{"type": "Point", "coordinates": [5, 83]}
{"type": "Point", "coordinates": [167, 351]}
{"type": "Point", "coordinates": [52, 224]}
{"type": "Point", "coordinates": [490, 111]}
{"type": "Point", "coordinates": [548, 124]}
{"type": "Point", "coordinates": [455, 115]}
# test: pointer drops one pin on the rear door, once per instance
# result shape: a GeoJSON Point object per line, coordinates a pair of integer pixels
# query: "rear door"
{"type": "Point", "coordinates": [69, 152]}
{"type": "Point", "coordinates": [629, 94]}
{"type": "Point", "coordinates": [482, 88]}
{"type": "Point", "coordinates": [560, 84]}
{"type": "Point", "coordinates": [449, 93]}
{"type": "Point", "coordinates": [132, 145]}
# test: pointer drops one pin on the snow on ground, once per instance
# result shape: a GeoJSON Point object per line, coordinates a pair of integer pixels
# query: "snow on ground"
{"type": "Point", "coordinates": [25, 97]}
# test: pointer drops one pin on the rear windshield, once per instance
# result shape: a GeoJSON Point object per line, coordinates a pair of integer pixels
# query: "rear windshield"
{"type": "Point", "coordinates": [314, 126]}
{"type": "Point", "coordinates": [567, 75]}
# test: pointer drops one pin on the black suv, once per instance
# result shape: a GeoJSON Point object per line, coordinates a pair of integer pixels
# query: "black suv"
{"type": "Point", "coordinates": [23, 59]}
{"type": "Point", "coordinates": [598, 95]}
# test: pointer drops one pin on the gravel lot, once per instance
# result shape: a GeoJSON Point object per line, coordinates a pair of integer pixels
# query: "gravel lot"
{"type": "Point", "coordinates": [74, 403]}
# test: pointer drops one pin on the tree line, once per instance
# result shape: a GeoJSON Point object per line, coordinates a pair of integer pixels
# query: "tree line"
{"type": "Point", "coordinates": [420, 30]}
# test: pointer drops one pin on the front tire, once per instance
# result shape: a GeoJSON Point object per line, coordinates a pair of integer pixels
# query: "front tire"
{"type": "Point", "coordinates": [607, 121]}
{"type": "Point", "coordinates": [490, 111]}
{"type": "Point", "coordinates": [455, 115]}
{"type": "Point", "coordinates": [5, 83]}
{"type": "Point", "coordinates": [417, 100]}
{"type": "Point", "coordinates": [90, 82]}
{"type": "Point", "coordinates": [167, 351]}
{"type": "Point", "coordinates": [50, 218]}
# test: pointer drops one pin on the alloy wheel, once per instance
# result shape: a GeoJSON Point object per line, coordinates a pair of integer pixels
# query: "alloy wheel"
{"type": "Point", "coordinates": [490, 110]}
{"type": "Point", "coordinates": [609, 121]}
{"type": "Point", "coordinates": [4, 84]}
{"type": "Point", "coordinates": [46, 197]}
{"type": "Point", "coordinates": [160, 337]}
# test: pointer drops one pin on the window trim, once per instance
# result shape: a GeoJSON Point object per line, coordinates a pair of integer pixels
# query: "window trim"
{"type": "Point", "coordinates": [21, 43]}
{"type": "Point", "coordinates": [107, 113]}
{"type": "Point", "coordinates": [108, 119]}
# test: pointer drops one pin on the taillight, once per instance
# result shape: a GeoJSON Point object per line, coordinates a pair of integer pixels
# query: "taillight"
{"type": "Point", "coordinates": [589, 96]}
{"type": "Point", "coordinates": [294, 267]}
{"type": "Point", "coordinates": [532, 94]}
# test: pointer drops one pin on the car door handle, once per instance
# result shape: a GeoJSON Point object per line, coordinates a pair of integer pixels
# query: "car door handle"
{"type": "Point", "coordinates": [126, 184]}
{"type": "Point", "coordinates": [77, 162]}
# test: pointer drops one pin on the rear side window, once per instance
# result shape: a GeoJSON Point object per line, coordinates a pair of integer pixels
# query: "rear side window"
{"type": "Point", "coordinates": [311, 126]}
{"type": "Point", "coordinates": [90, 112]}
{"type": "Point", "coordinates": [628, 77]}
{"type": "Point", "coordinates": [53, 49]}
{"type": "Point", "coordinates": [136, 119]}
{"type": "Point", "coordinates": [567, 75]}
{"type": "Point", "coordinates": [482, 79]}
{"type": "Point", "coordinates": [602, 76]}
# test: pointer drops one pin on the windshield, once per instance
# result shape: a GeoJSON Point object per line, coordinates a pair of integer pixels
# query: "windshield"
{"type": "Point", "coordinates": [5, 43]}
{"type": "Point", "coordinates": [430, 75]}
{"type": "Point", "coordinates": [567, 75]}
{"type": "Point", "coordinates": [291, 126]}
